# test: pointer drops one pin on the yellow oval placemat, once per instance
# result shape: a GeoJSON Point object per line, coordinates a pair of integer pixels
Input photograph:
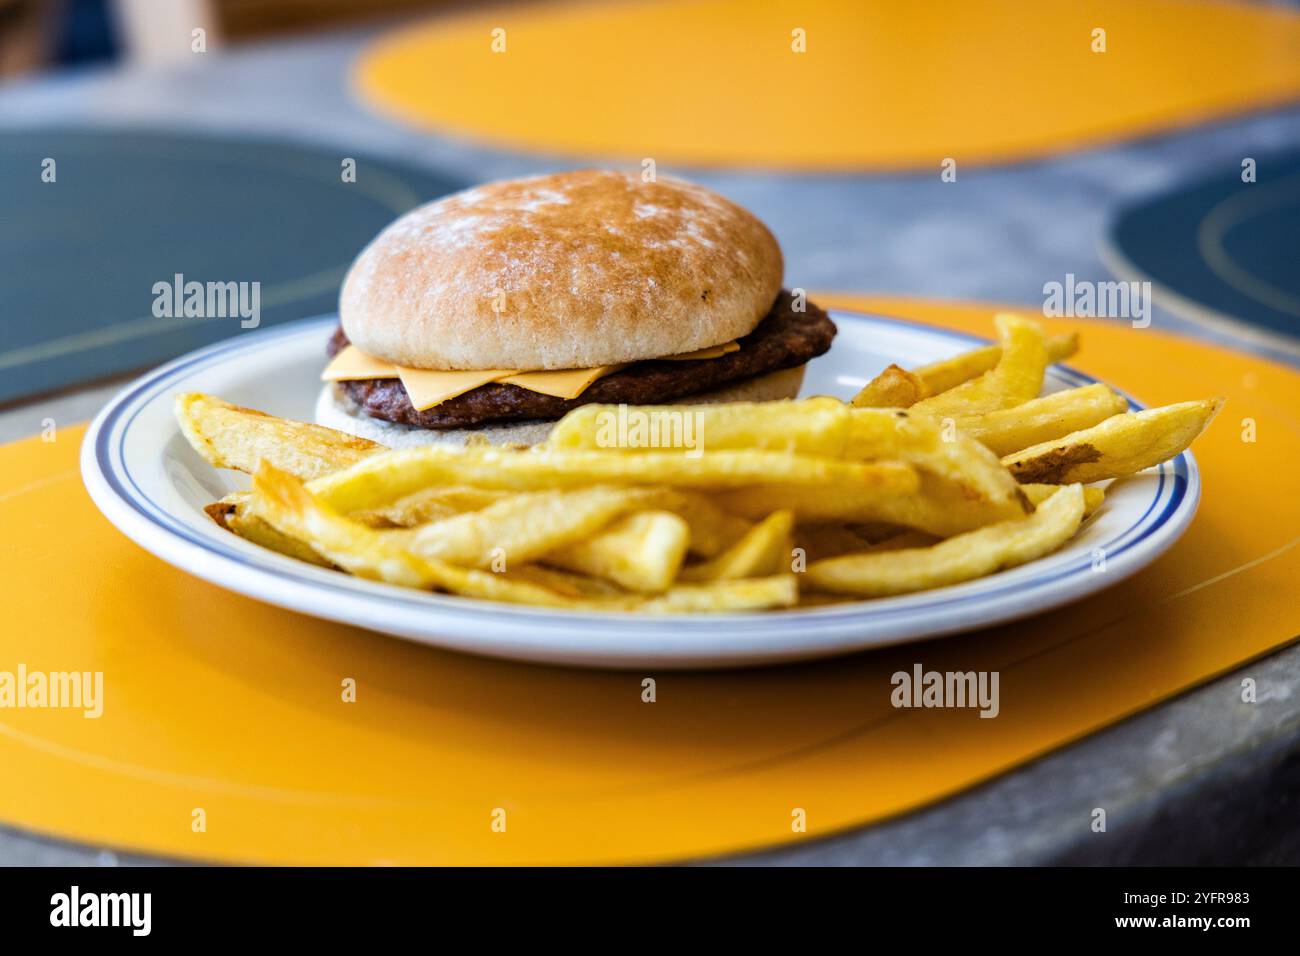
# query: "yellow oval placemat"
{"type": "Point", "coordinates": [224, 734]}
{"type": "Point", "coordinates": [880, 84]}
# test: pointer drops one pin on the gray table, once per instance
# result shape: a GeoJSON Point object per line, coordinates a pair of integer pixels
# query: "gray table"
{"type": "Point", "coordinates": [1200, 779]}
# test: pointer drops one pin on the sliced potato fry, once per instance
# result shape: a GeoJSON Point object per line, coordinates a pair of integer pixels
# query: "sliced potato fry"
{"type": "Point", "coordinates": [389, 476]}
{"type": "Point", "coordinates": [901, 541]}
{"type": "Point", "coordinates": [1017, 378]}
{"type": "Point", "coordinates": [764, 550]}
{"type": "Point", "coordinates": [713, 529]}
{"type": "Point", "coordinates": [893, 388]}
{"type": "Point", "coordinates": [640, 552]}
{"type": "Point", "coordinates": [521, 528]}
{"type": "Point", "coordinates": [287, 505]}
{"type": "Point", "coordinates": [749, 594]}
{"type": "Point", "coordinates": [221, 510]}
{"type": "Point", "coordinates": [827, 539]}
{"type": "Point", "coordinates": [430, 504]}
{"type": "Point", "coordinates": [957, 559]}
{"type": "Point", "coordinates": [228, 436]}
{"type": "Point", "coordinates": [1119, 446]}
{"type": "Point", "coordinates": [1043, 419]}
{"type": "Point", "coordinates": [963, 466]}
{"type": "Point", "coordinates": [812, 426]}
{"type": "Point", "coordinates": [565, 583]}
{"type": "Point", "coordinates": [1093, 496]}
{"type": "Point", "coordinates": [254, 529]}
{"type": "Point", "coordinates": [938, 508]}
{"type": "Point", "coordinates": [949, 373]}
{"type": "Point", "coordinates": [829, 428]}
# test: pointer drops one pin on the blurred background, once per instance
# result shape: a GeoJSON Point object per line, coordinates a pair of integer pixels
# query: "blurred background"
{"type": "Point", "coordinates": [974, 151]}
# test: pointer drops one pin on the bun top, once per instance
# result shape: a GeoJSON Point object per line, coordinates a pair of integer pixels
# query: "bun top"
{"type": "Point", "coordinates": [569, 270]}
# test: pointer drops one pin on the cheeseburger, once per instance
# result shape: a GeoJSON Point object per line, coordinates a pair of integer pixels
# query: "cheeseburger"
{"type": "Point", "coordinates": [496, 310]}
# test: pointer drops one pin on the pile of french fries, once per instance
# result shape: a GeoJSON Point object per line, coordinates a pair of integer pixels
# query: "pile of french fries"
{"type": "Point", "coordinates": [927, 478]}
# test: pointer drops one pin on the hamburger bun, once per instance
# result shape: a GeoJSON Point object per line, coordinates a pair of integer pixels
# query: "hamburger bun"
{"type": "Point", "coordinates": [568, 270]}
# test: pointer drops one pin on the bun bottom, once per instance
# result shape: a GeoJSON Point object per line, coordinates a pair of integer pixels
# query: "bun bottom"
{"type": "Point", "coordinates": [336, 410]}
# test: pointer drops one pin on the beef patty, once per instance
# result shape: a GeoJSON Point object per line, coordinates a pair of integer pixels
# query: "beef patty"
{"type": "Point", "coordinates": [784, 339]}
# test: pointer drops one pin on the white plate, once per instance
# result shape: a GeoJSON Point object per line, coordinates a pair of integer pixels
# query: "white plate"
{"type": "Point", "coordinates": [149, 482]}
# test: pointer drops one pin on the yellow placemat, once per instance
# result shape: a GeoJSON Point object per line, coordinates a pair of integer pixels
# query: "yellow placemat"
{"type": "Point", "coordinates": [217, 703]}
{"type": "Point", "coordinates": [881, 84]}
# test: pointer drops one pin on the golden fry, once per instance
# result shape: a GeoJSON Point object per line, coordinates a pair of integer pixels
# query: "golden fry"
{"type": "Point", "coordinates": [228, 436]}
{"type": "Point", "coordinates": [641, 551]}
{"type": "Point", "coordinates": [1017, 378]}
{"type": "Point", "coordinates": [893, 388]}
{"type": "Point", "coordinates": [520, 528]}
{"type": "Point", "coordinates": [1093, 497]}
{"type": "Point", "coordinates": [764, 550]}
{"type": "Point", "coordinates": [1043, 419]}
{"type": "Point", "coordinates": [811, 426]}
{"type": "Point", "coordinates": [949, 373]}
{"type": "Point", "coordinates": [389, 476]}
{"type": "Point", "coordinates": [957, 559]}
{"type": "Point", "coordinates": [1119, 446]}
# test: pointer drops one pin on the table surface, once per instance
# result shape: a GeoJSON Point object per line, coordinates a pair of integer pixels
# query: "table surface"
{"type": "Point", "coordinates": [1200, 779]}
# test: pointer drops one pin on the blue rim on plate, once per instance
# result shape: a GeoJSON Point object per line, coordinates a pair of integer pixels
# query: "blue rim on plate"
{"type": "Point", "coordinates": [118, 493]}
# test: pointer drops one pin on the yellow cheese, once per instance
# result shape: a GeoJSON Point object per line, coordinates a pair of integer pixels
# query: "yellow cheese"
{"type": "Point", "coordinates": [427, 388]}
{"type": "Point", "coordinates": [709, 352]}
{"type": "Point", "coordinates": [352, 364]}
{"type": "Point", "coordinates": [565, 383]}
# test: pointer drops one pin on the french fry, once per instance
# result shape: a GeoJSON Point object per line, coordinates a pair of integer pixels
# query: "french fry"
{"type": "Point", "coordinates": [749, 594]}
{"type": "Point", "coordinates": [812, 426]}
{"type": "Point", "coordinates": [937, 508]}
{"type": "Point", "coordinates": [893, 388]}
{"type": "Point", "coordinates": [287, 505]}
{"type": "Point", "coordinates": [565, 583]}
{"type": "Point", "coordinates": [764, 550]}
{"type": "Point", "coordinates": [254, 529]}
{"type": "Point", "coordinates": [957, 559]}
{"type": "Point", "coordinates": [824, 427]}
{"type": "Point", "coordinates": [1016, 378]}
{"type": "Point", "coordinates": [827, 539]}
{"type": "Point", "coordinates": [1119, 446]}
{"type": "Point", "coordinates": [389, 476]}
{"type": "Point", "coordinates": [953, 464]}
{"type": "Point", "coordinates": [522, 527]}
{"type": "Point", "coordinates": [430, 504]}
{"type": "Point", "coordinates": [1093, 497]}
{"type": "Point", "coordinates": [712, 528]}
{"type": "Point", "coordinates": [291, 508]}
{"type": "Point", "coordinates": [949, 373]}
{"type": "Point", "coordinates": [228, 436]}
{"type": "Point", "coordinates": [1043, 419]}
{"type": "Point", "coordinates": [640, 552]}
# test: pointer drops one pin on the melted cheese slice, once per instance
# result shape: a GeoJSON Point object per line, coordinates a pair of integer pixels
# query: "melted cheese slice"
{"type": "Point", "coordinates": [565, 383]}
{"type": "Point", "coordinates": [427, 388]}
{"type": "Point", "coordinates": [709, 352]}
{"type": "Point", "coordinates": [352, 364]}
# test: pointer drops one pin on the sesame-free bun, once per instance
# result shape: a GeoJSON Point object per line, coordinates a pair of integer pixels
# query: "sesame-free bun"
{"type": "Point", "coordinates": [569, 270]}
{"type": "Point", "coordinates": [335, 410]}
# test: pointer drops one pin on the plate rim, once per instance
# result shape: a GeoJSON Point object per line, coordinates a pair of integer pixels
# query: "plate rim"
{"type": "Point", "coordinates": [557, 636]}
